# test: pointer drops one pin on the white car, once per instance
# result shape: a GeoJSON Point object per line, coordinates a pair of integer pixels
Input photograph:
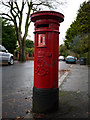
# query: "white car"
{"type": "Point", "coordinates": [5, 56]}
{"type": "Point", "coordinates": [61, 58]}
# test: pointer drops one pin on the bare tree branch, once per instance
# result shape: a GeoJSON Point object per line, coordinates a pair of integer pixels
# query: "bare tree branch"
{"type": "Point", "coordinates": [28, 3]}
{"type": "Point", "coordinates": [7, 16]}
{"type": "Point", "coordinates": [27, 20]}
{"type": "Point", "coordinates": [16, 15]}
{"type": "Point", "coordinates": [23, 4]}
{"type": "Point", "coordinates": [5, 4]}
{"type": "Point", "coordinates": [38, 3]}
{"type": "Point", "coordinates": [29, 23]}
{"type": "Point", "coordinates": [11, 9]}
{"type": "Point", "coordinates": [10, 3]}
{"type": "Point", "coordinates": [21, 15]}
{"type": "Point", "coordinates": [17, 6]}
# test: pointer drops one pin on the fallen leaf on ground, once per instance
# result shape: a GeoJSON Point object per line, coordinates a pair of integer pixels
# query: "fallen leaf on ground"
{"type": "Point", "coordinates": [5, 113]}
{"type": "Point", "coordinates": [18, 117]}
{"type": "Point", "coordinates": [30, 92]}
{"type": "Point", "coordinates": [27, 111]}
{"type": "Point", "coordinates": [87, 112]}
{"type": "Point", "coordinates": [14, 112]}
{"type": "Point", "coordinates": [22, 116]}
{"type": "Point", "coordinates": [14, 100]}
{"type": "Point", "coordinates": [39, 115]}
{"type": "Point", "coordinates": [6, 95]}
{"type": "Point", "coordinates": [78, 91]}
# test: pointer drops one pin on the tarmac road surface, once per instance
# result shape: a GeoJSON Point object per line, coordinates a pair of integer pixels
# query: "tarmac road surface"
{"type": "Point", "coordinates": [17, 84]}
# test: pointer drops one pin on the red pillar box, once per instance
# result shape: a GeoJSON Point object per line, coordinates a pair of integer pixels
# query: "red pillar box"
{"type": "Point", "coordinates": [45, 90]}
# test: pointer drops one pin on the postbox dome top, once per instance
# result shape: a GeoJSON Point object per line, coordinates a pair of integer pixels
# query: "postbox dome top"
{"type": "Point", "coordinates": [47, 15]}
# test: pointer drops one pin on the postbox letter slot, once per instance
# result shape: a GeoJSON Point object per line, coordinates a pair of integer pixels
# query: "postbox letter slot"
{"type": "Point", "coordinates": [42, 25]}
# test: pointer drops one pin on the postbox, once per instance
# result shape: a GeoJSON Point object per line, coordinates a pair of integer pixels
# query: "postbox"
{"type": "Point", "coordinates": [46, 32]}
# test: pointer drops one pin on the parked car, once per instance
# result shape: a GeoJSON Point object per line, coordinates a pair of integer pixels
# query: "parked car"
{"type": "Point", "coordinates": [5, 56]}
{"type": "Point", "coordinates": [83, 61]}
{"type": "Point", "coordinates": [61, 58]}
{"type": "Point", "coordinates": [70, 59]}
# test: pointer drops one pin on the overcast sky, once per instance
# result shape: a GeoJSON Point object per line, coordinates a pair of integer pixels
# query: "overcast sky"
{"type": "Point", "coordinates": [70, 12]}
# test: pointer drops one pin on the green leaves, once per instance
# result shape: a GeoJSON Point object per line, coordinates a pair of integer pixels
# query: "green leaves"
{"type": "Point", "coordinates": [77, 36]}
{"type": "Point", "coordinates": [8, 36]}
{"type": "Point", "coordinates": [29, 43]}
{"type": "Point", "coordinates": [29, 46]}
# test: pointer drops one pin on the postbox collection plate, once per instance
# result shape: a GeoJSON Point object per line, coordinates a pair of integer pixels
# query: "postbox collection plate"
{"type": "Point", "coordinates": [41, 40]}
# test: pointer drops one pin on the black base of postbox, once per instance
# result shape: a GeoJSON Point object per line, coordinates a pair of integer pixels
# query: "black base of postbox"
{"type": "Point", "coordinates": [45, 100]}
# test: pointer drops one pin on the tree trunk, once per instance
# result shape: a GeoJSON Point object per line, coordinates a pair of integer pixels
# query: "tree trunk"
{"type": "Point", "coordinates": [22, 52]}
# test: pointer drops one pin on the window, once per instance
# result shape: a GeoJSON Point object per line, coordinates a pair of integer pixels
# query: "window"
{"type": "Point", "coordinates": [3, 49]}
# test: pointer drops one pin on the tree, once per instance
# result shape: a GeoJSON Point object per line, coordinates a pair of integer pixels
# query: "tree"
{"type": "Point", "coordinates": [63, 51]}
{"type": "Point", "coordinates": [83, 17]}
{"type": "Point", "coordinates": [29, 44]}
{"type": "Point", "coordinates": [76, 44]}
{"type": "Point", "coordinates": [80, 26]}
{"type": "Point", "coordinates": [77, 36]}
{"type": "Point", "coordinates": [8, 36]}
{"type": "Point", "coordinates": [16, 15]}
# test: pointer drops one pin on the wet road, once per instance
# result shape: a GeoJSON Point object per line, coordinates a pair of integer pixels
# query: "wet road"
{"type": "Point", "coordinates": [17, 84]}
{"type": "Point", "coordinates": [19, 75]}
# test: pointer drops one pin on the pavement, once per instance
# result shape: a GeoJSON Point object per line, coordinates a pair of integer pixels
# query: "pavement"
{"type": "Point", "coordinates": [74, 97]}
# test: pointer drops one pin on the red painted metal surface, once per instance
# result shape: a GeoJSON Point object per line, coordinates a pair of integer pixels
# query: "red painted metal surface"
{"type": "Point", "coordinates": [46, 48]}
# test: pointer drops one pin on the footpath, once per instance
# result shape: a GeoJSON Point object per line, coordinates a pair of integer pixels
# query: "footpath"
{"type": "Point", "coordinates": [74, 97]}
